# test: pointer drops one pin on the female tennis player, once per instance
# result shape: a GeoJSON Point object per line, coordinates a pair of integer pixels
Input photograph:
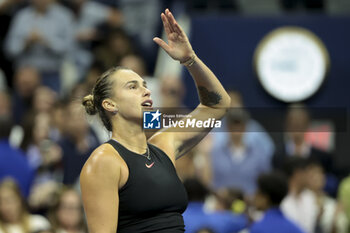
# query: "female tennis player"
{"type": "Point", "coordinates": [129, 184]}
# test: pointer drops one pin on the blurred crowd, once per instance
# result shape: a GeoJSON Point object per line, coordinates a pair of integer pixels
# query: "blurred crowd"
{"type": "Point", "coordinates": [265, 181]}
{"type": "Point", "coordinates": [244, 180]}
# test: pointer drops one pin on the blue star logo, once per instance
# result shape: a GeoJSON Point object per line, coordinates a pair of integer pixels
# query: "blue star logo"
{"type": "Point", "coordinates": [151, 119]}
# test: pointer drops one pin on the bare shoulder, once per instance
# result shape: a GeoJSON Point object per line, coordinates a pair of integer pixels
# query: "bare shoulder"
{"type": "Point", "coordinates": [103, 160]}
{"type": "Point", "coordinates": [99, 181]}
{"type": "Point", "coordinates": [164, 141]}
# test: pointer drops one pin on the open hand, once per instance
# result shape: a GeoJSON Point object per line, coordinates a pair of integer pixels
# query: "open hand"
{"type": "Point", "coordinates": [178, 47]}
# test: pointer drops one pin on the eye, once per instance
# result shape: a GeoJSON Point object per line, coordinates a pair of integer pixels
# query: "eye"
{"type": "Point", "coordinates": [132, 86]}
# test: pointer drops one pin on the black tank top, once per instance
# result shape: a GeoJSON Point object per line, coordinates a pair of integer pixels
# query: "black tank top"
{"type": "Point", "coordinates": [153, 198]}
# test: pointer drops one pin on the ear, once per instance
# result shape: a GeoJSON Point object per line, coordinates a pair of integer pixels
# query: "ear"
{"type": "Point", "coordinates": [110, 105]}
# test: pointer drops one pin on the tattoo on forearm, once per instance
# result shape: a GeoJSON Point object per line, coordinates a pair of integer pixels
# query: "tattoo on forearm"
{"type": "Point", "coordinates": [208, 98]}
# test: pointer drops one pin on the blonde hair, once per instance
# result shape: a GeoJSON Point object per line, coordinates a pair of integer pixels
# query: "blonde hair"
{"type": "Point", "coordinates": [56, 205]}
{"type": "Point", "coordinates": [10, 184]}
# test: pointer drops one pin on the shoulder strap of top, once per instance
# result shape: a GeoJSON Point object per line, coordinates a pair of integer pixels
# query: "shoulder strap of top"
{"type": "Point", "coordinates": [119, 148]}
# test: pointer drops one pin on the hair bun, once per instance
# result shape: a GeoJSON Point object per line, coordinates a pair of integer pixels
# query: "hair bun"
{"type": "Point", "coordinates": [88, 103]}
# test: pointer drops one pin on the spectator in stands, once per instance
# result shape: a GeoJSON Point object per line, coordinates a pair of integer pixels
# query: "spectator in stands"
{"type": "Point", "coordinates": [42, 152]}
{"type": "Point", "coordinates": [300, 205]}
{"type": "Point", "coordinates": [197, 218]}
{"type": "Point", "coordinates": [89, 16]}
{"type": "Point", "coordinates": [13, 161]}
{"type": "Point", "coordinates": [44, 156]}
{"type": "Point", "coordinates": [230, 200]}
{"type": "Point", "coordinates": [254, 133]}
{"type": "Point", "coordinates": [117, 45]}
{"type": "Point", "coordinates": [293, 143]}
{"type": "Point", "coordinates": [244, 136]}
{"type": "Point", "coordinates": [67, 215]}
{"type": "Point", "coordinates": [141, 22]}
{"type": "Point", "coordinates": [77, 143]}
{"type": "Point", "coordinates": [40, 35]}
{"type": "Point", "coordinates": [44, 100]}
{"type": "Point", "coordinates": [272, 188]}
{"type": "Point", "coordinates": [331, 218]}
{"type": "Point", "coordinates": [230, 207]}
{"type": "Point", "coordinates": [14, 217]}
{"type": "Point", "coordinates": [172, 91]}
{"type": "Point", "coordinates": [135, 63]}
{"type": "Point", "coordinates": [27, 80]}
{"type": "Point", "coordinates": [297, 124]}
{"type": "Point", "coordinates": [236, 162]}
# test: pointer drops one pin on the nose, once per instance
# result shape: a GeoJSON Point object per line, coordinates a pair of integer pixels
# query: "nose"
{"type": "Point", "coordinates": [146, 92]}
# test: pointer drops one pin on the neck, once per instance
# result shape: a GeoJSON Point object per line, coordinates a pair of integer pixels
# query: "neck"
{"type": "Point", "coordinates": [295, 188]}
{"type": "Point", "coordinates": [130, 135]}
{"type": "Point", "coordinates": [41, 11]}
{"type": "Point", "coordinates": [237, 142]}
{"type": "Point", "coordinates": [298, 141]}
{"type": "Point", "coordinates": [318, 192]}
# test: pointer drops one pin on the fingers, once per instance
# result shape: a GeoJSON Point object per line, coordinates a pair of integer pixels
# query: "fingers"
{"type": "Point", "coordinates": [171, 20]}
{"type": "Point", "coordinates": [170, 17]}
{"type": "Point", "coordinates": [165, 24]}
{"type": "Point", "coordinates": [178, 29]}
{"type": "Point", "coordinates": [161, 43]}
{"type": "Point", "coordinates": [173, 25]}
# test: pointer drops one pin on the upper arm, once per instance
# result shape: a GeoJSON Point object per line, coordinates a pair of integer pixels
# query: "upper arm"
{"type": "Point", "coordinates": [181, 140]}
{"type": "Point", "coordinates": [16, 36]}
{"type": "Point", "coordinates": [99, 181]}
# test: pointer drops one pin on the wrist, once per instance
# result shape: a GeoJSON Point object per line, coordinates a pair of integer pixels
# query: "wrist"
{"type": "Point", "coordinates": [189, 61]}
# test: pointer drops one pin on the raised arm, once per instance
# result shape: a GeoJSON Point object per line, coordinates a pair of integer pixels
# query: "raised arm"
{"type": "Point", "coordinates": [213, 98]}
{"type": "Point", "coordinates": [99, 181]}
{"type": "Point", "coordinates": [210, 90]}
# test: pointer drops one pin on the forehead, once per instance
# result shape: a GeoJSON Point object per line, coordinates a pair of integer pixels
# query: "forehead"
{"type": "Point", "coordinates": [122, 77]}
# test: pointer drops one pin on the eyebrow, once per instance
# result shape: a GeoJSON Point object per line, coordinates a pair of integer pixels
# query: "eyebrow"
{"type": "Point", "coordinates": [136, 82]}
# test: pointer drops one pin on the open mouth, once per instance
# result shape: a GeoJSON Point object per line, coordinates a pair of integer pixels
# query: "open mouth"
{"type": "Point", "coordinates": [147, 103]}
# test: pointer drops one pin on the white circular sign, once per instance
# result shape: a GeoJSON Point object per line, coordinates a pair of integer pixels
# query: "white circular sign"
{"type": "Point", "coordinates": [291, 63]}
